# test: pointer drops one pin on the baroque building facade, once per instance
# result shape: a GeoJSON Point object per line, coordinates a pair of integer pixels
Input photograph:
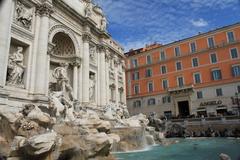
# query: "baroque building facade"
{"type": "Point", "coordinates": [45, 44]}
{"type": "Point", "coordinates": [197, 76]}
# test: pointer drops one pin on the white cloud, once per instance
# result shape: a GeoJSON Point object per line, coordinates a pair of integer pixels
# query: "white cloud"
{"type": "Point", "coordinates": [199, 23]}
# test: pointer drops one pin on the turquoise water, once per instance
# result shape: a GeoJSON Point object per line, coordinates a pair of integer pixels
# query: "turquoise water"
{"type": "Point", "coordinates": [188, 149]}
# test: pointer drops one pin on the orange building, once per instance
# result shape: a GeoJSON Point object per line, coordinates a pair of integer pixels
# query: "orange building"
{"type": "Point", "coordinates": [199, 75]}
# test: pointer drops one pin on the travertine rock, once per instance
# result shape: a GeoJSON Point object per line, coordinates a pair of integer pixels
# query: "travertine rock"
{"type": "Point", "coordinates": [223, 156]}
{"type": "Point", "coordinates": [38, 116]}
{"type": "Point", "coordinates": [11, 114]}
{"type": "Point", "coordinates": [40, 144]}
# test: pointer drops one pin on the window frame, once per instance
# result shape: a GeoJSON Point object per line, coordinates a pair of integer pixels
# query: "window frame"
{"type": "Point", "coordinates": [221, 92]}
{"type": "Point", "coordinates": [163, 84]}
{"type": "Point", "coordinates": [190, 46]}
{"type": "Point", "coordinates": [199, 97]}
{"type": "Point", "coordinates": [216, 69]}
{"type": "Point", "coordinates": [151, 100]}
{"type": "Point", "coordinates": [213, 42]}
{"type": "Point", "coordinates": [182, 81]}
{"type": "Point", "coordinates": [147, 62]}
{"type": "Point", "coordinates": [134, 89]}
{"type": "Point", "coordinates": [233, 36]}
{"type": "Point", "coordinates": [211, 58]}
{"type": "Point", "coordinates": [133, 62]}
{"type": "Point", "coordinates": [163, 54]}
{"type": "Point", "coordinates": [180, 62]}
{"type": "Point", "coordinates": [200, 78]}
{"type": "Point", "coordinates": [148, 83]}
{"type": "Point", "coordinates": [193, 62]}
{"type": "Point", "coordinates": [231, 53]}
{"type": "Point", "coordinates": [146, 72]}
{"type": "Point", "coordinates": [176, 54]}
{"type": "Point", "coordinates": [235, 65]}
{"type": "Point", "coordinates": [165, 69]}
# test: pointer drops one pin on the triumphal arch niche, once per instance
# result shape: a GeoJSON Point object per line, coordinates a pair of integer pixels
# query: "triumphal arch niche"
{"type": "Point", "coordinates": [58, 47]}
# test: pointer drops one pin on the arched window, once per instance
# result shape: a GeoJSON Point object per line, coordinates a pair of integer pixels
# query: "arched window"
{"type": "Point", "coordinates": [63, 45]}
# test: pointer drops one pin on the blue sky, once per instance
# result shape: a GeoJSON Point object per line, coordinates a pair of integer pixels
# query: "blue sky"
{"type": "Point", "coordinates": [135, 23]}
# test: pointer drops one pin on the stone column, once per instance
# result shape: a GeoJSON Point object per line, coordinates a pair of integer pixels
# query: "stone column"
{"type": "Point", "coordinates": [107, 76]}
{"type": "Point", "coordinates": [42, 59]}
{"type": "Point", "coordinates": [6, 12]}
{"type": "Point", "coordinates": [35, 52]}
{"type": "Point", "coordinates": [116, 79]}
{"type": "Point", "coordinates": [75, 79]}
{"type": "Point", "coordinates": [102, 76]}
{"type": "Point", "coordinates": [85, 80]}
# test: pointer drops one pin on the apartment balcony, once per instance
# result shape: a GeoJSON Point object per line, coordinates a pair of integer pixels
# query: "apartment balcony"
{"type": "Point", "coordinates": [181, 90]}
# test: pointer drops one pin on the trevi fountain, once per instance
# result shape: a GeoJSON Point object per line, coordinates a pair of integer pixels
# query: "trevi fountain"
{"type": "Point", "coordinates": [62, 85]}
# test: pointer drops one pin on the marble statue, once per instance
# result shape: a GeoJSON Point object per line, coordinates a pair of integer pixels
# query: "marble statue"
{"type": "Point", "coordinates": [62, 99]}
{"type": "Point", "coordinates": [60, 74]}
{"type": "Point", "coordinates": [16, 67]}
{"type": "Point", "coordinates": [24, 15]}
{"type": "Point", "coordinates": [92, 53]}
{"type": "Point", "coordinates": [103, 23]}
{"type": "Point", "coordinates": [92, 88]}
{"type": "Point", "coordinates": [88, 10]}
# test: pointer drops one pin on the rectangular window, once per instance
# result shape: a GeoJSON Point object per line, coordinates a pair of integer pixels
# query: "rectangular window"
{"type": "Point", "coordinates": [210, 42]}
{"type": "Point", "coordinates": [137, 104]}
{"type": "Point", "coordinates": [195, 62]}
{"type": "Point", "coordinates": [178, 66]}
{"type": "Point", "coordinates": [166, 99]}
{"type": "Point", "coordinates": [213, 57]}
{"type": "Point", "coordinates": [163, 69]}
{"type": "Point", "coordinates": [193, 47]}
{"type": "Point", "coordinates": [149, 59]}
{"type": "Point", "coordinates": [236, 70]}
{"type": "Point", "coordinates": [199, 94]}
{"type": "Point", "coordinates": [135, 76]}
{"type": "Point", "coordinates": [216, 74]}
{"type": "Point", "coordinates": [197, 78]}
{"type": "Point", "coordinates": [134, 63]}
{"type": "Point", "coordinates": [148, 72]}
{"type": "Point", "coordinates": [177, 51]}
{"type": "Point", "coordinates": [219, 92]}
{"type": "Point", "coordinates": [136, 89]}
{"type": "Point", "coordinates": [180, 81]}
{"type": "Point", "coordinates": [151, 101]}
{"type": "Point", "coordinates": [150, 86]}
{"type": "Point", "coordinates": [234, 53]}
{"type": "Point", "coordinates": [238, 89]}
{"type": "Point", "coordinates": [230, 37]}
{"type": "Point", "coordinates": [165, 84]}
{"type": "Point", "coordinates": [162, 56]}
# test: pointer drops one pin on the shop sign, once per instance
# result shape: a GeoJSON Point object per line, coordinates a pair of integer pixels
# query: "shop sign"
{"type": "Point", "coordinates": [211, 103]}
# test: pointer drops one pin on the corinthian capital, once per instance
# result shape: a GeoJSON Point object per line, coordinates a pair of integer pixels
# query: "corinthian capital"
{"type": "Point", "coordinates": [44, 9]}
{"type": "Point", "coordinates": [101, 48]}
{"type": "Point", "coordinates": [86, 37]}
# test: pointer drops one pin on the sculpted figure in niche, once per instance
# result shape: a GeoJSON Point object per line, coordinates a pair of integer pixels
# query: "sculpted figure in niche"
{"type": "Point", "coordinates": [16, 67]}
{"type": "Point", "coordinates": [62, 99]}
{"type": "Point", "coordinates": [60, 74]}
{"type": "Point", "coordinates": [24, 15]}
{"type": "Point", "coordinates": [92, 88]}
{"type": "Point", "coordinates": [92, 53]}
